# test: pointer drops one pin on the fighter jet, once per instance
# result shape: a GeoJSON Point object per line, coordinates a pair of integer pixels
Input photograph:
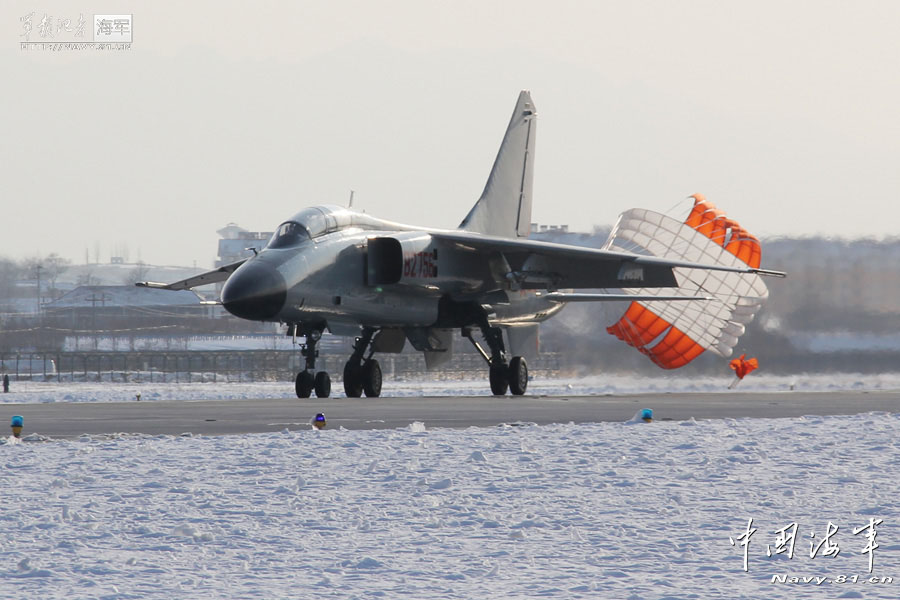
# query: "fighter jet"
{"type": "Point", "coordinates": [329, 268]}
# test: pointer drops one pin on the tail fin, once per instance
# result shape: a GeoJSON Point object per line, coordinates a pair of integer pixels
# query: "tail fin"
{"type": "Point", "coordinates": [504, 208]}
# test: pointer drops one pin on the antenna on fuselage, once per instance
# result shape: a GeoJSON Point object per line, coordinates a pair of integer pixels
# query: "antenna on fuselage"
{"type": "Point", "coordinates": [350, 204]}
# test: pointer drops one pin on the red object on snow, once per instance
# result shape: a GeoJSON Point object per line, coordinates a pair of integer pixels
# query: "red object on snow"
{"type": "Point", "coordinates": [742, 366]}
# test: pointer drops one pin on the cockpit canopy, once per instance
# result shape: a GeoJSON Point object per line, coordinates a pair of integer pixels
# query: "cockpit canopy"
{"type": "Point", "coordinates": [288, 234]}
{"type": "Point", "coordinates": [317, 221]}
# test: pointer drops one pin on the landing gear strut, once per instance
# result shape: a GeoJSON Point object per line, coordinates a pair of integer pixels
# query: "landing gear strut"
{"type": "Point", "coordinates": [363, 373]}
{"type": "Point", "coordinates": [308, 380]}
{"type": "Point", "coordinates": [503, 376]}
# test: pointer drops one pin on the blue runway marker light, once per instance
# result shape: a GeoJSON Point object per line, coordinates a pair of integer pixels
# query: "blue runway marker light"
{"type": "Point", "coordinates": [647, 415]}
{"type": "Point", "coordinates": [319, 421]}
{"type": "Point", "coordinates": [17, 423]}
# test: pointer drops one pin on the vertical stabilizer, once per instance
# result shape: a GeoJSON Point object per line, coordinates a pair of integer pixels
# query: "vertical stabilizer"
{"type": "Point", "coordinates": [504, 208]}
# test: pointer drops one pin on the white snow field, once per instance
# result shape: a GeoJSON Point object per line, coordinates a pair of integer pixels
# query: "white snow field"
{"type": "Point", "coordinates": [609, 510]}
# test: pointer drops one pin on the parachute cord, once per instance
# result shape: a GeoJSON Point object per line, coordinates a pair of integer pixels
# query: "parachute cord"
{"type": "Point", "coordinates": [678, 208]}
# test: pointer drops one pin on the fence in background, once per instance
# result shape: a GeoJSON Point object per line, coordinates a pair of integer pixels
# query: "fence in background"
{"type": "Point", "coordinates": [230, 366]}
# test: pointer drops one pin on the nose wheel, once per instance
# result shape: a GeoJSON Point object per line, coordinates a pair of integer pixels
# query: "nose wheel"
{"type": "Point", "coordinates": [307, 383]}
{"type": "Point", "coordinates": [322, 385]}
{"type": "Point", "coordinates": [308, 380]}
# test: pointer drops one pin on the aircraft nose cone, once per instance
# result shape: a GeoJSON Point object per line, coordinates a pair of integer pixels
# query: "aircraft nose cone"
{"type": "Point", "coordinates": [256, 291]}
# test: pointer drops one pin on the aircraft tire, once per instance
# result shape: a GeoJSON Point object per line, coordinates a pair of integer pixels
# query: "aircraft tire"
{"type": "Point", "coordinates": [499, 379]}
{"type": "Point", "coordinates": [353, 386]}
{"type": "Point", "coordinates": [518, 376]}
{"type": "Point", "coordinates": [304, 384]}
{"type": "Point", "coordinates": [322, 385]}
{"type": "Point", "coordinates": [371, 376]}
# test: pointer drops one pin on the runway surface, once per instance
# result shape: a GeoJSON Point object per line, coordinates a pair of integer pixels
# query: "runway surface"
{"type": "Point", "coordinates": [223, 417]}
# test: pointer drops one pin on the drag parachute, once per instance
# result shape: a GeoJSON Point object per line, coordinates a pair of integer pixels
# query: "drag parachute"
{"type": "Point", "coordinates": [673, 334]}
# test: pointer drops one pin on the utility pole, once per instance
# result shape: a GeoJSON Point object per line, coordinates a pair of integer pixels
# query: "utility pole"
{"type": "Point", "coordinates": [38, 271]}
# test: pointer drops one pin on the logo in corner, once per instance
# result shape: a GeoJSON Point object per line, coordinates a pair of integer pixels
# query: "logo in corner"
{"type": "Point", "coordinates": [113, 28]}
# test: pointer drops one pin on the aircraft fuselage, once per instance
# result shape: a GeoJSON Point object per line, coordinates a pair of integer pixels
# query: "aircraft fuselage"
{"type": "Point", "coordinates": [355, 277]}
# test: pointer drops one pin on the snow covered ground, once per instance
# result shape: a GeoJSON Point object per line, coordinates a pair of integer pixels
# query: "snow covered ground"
{"type": "Point", "coordinates": [609, 510]}
{"type": "Point", "coordinates": [570, 511]}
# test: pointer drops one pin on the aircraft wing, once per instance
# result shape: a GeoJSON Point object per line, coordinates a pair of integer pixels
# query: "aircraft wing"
{"type": "Point", "coordinates": [576, 297]}
{"type": "Point", "coordinates": [215, 276]}
{"type": "Point", "coordinates": [546, 265]}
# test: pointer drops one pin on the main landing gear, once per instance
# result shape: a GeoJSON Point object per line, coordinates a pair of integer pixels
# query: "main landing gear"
{"type": "Point", "coordinates": [308, 380]}
{"type": "Point", "coordinates": [363, 373]}
{"type": "Point", "coordinates": [503, 376]}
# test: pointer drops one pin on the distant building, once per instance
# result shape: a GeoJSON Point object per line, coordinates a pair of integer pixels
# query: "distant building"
{"type": "Point", "coordinates": [560, 234]}
{"type": "Point", "coordinates": [235, 241]}
{"type": "Point", "coordinates": [538, 228]}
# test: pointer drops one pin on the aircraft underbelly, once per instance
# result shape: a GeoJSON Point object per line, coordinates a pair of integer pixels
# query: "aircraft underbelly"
{"type": "Point", "coordinates": [363, 306]}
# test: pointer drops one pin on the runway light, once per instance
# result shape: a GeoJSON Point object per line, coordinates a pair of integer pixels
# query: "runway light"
{"type": "Point", "coordinates": [138, 396]}
{"type": "Point", "coordinates": [647, 415]}
{"type": "Point", "coordinates": [319, 421]}
{"type": "Point", "coordinates": [17, 423]}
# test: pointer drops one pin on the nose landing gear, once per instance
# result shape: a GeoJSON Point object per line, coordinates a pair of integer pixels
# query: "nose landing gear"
{"type": "Point", "coordinates": [308, 380]}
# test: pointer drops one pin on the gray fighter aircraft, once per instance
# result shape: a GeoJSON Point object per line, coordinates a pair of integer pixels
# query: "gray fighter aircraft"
{"type": "Point", "coordinates": [329, 268]}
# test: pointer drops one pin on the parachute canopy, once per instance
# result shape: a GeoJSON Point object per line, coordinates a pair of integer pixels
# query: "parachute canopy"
{"type": "Point", "coordinates": [673, 334]}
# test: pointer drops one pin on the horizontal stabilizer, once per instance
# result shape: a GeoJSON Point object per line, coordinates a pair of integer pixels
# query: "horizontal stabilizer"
{"type": "Point", "coordinates": [535, 264]}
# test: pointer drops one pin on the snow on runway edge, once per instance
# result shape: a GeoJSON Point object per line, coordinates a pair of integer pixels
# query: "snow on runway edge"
{"type": "Point", "coordinates": [608, 384]}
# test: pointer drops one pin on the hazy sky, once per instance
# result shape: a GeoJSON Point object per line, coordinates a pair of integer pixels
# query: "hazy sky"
{"type": "Point", "coordinates": [785, 114]}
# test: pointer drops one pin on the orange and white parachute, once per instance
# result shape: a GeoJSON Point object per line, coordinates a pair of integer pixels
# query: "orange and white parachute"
{"type": "Point", "coordinates": [674, 333]}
